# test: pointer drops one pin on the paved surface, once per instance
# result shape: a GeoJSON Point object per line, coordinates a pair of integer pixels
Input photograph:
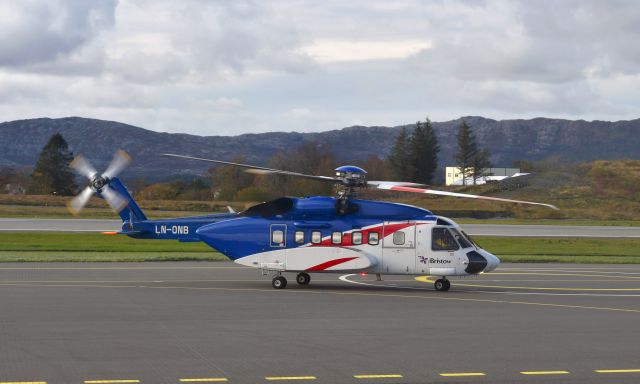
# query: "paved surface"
{"type": "Point", "coordinates": [162, 322]}
{"type": "Point", "coordinates": [83, 225]}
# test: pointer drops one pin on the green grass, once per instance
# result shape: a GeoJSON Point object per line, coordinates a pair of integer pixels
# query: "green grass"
{"type": "Point", "coordinates": [563, 250]}
{"type": "Point", "coordinates": [47, 246]}
{"type": "Point", "coordinates": [57, 212]}
{"type": "Point", "coordinates": [52, 256]}
{"type": "Point", "coordinates": [585, 222]}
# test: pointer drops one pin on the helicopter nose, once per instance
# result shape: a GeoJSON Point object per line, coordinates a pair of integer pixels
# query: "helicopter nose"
{"type": "Point", "coordinates": [492, 261]}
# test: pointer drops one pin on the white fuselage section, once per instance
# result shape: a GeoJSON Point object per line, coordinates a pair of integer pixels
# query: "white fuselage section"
{"type": "Point", "coordinates": [398, 247]}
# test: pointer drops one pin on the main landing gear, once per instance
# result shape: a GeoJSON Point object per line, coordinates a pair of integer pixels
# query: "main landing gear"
{"type": "Point", "coordinates": [442, 284]}
{"type": "Point", "coordinates": [280, 282]}
{"type": "Point", "coordinates": [303, 278]}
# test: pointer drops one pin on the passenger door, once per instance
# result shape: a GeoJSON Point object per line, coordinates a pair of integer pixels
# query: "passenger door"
{"type": "Point", "coordinates": [275, 261]}
{"type": "Point", "coordinates": [399, 248]}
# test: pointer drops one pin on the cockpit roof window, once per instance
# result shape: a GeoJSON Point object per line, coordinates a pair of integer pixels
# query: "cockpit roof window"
{"type": "Point", "coordinates": [470, 239]}
{"type": "Point", "coordinates": [442, 221]}
{"type": "Point", "coordinates": [461, 239]}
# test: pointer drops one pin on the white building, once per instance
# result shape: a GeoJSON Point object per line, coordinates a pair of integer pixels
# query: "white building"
{"type": "Point", "coordinates": [453, 176]}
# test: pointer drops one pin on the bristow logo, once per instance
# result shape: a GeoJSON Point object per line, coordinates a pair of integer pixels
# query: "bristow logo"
{"type": "Point", "coordinates": [426, 260]}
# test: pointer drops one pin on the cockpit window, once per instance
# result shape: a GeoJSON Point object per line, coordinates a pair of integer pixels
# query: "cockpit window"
{"type": "Point", "coordinates": [461, 239]}
{"type": "Point", "coordinates": [442, 240]}
{"type": "Point", "coordinates": [470, 239]}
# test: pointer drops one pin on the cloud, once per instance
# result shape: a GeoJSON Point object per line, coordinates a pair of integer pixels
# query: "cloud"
{"type": "Point", "coordinates": [36, 32]}
{"type": "Point", "coordinates": [340, 50]}
{"type": "Point", "coordinates": [249, 66]}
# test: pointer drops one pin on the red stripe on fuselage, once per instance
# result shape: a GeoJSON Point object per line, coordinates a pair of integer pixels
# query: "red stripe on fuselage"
{"type": "Point", "coordinates": [330, 263]}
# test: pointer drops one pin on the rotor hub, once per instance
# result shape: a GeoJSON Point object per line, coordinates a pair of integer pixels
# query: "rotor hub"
{"type": "Point", "coordinates": [99, 182]}
{"type": "Point", "coordinates": [352, 176]}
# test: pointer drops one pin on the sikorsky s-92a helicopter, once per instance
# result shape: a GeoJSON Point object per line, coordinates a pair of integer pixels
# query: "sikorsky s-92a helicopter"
{"type": "Point", "coordinates": [317, 234]}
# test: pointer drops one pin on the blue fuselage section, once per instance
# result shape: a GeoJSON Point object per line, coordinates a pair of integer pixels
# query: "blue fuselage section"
{"type": "Point", "coordinates": [241, 234]}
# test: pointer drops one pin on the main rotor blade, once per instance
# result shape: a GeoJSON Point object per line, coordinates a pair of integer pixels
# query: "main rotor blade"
{"type": "Point", "coordinates": [120, 161]}
{"type": "Point", "coordinates": [78, 202]}
{"type": "Point", "coordinates": [375, 184]}
{"type": "Point", "coordinates": [258, 170]}
{"type": "Point", "coordinates": [83, 167]}
{"type": "Point", "coordinates": [113, 198]}
{"type": "Point", "coordinates": [393, 187]}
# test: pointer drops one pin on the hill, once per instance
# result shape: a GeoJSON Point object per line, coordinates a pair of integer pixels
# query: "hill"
{"type": "Point", "coordinates": [508, 140]}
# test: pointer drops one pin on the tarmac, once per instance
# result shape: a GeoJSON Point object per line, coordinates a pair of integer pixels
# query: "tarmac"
{"type": "Point", "coordinates": [203, 322]}
{"type": "Point", "coordinates": [97, 225]}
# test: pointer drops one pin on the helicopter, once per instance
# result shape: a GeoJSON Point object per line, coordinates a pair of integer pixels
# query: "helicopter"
{"type": "Point", "coordinates": [315, 234]}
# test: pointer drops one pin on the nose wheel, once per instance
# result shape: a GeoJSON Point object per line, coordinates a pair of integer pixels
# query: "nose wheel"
{"type": "Point", "coordinates": [442, 285]}
{"type": "Point", "coordinates": [303, 278]}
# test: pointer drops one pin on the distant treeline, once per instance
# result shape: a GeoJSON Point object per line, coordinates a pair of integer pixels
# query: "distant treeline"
{"type": "Point", "coordinates": [413, 158]}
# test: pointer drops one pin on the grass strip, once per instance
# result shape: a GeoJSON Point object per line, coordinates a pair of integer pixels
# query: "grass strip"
{"type": "Point", "coordinates": [50, 246]}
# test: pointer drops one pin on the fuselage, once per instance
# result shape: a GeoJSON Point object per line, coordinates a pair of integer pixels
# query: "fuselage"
{"type": "Point", "coordinates": [322, 234]}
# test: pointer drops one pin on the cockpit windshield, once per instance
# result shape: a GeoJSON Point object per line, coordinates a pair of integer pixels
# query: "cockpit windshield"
{"type": "Point", "coordinates": [464, 243]}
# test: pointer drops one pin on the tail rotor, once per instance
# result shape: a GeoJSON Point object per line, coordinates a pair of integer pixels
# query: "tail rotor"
{"type": "Point", "coordinates": [99, 183]}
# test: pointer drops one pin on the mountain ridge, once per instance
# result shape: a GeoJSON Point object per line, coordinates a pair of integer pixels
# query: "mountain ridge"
{"type": "Point", "coordinates": [507, 140]}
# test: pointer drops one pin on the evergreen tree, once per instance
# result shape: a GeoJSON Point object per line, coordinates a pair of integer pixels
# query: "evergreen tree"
{"type": "Point", "coordinates": [467, 151]}
{"type": "Point", "coordinates": [480, 164]}
{"type": "Point", "coordinates": [424, 150]}
{"type": "Point", "coordinates": [52, 174]}
{"type": "Point", "coordinates": [400, 157]}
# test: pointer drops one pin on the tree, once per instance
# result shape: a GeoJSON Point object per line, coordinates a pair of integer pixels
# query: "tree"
{"type": "Point", "coordinates": [424, 149]}
{"type": "Point", "coordinates": [467, 151]}
{"type": "Point", "coordinates": [228, 180]}
{"type": "Point", "coordinates": [52, 174]}
{"type": "Point", "coordinates": [309, 158]}
{"type": "Point", "coordinates": [400, 157]}
{"type": "Point", "coordinates": [480, 164]}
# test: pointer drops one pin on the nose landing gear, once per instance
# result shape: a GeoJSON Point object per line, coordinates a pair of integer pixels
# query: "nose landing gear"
{"type": "Point", "coordinates": [442, 284]}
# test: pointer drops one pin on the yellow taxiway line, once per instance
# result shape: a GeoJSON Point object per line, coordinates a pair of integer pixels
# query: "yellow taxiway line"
{"type": "Point", "coordinates": [205, 380]}
{"type": "Point", "coordinates": [276, 378]}
{"type": "Point", "coordinates": [462, 374]}
{"type": "Point", "coordinates": [23, 382]}
{"type": "Point", "coordinates": [617, 370]}
{"type": "Point", "coordinates": [110, 381]}
{"type": "Point", "coordinates": [545, 372]}
{"type": "Point", "coordinates": [426, 279]}
{"type": "Point", "coordinates": [391, 376]}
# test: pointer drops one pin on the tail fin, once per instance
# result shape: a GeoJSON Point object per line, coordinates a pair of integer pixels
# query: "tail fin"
{"type": "Point", "coordinates": [131, 213]}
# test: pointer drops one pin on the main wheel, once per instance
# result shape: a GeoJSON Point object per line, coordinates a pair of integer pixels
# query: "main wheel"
{"type": "Point", "coordinates": [303, 278]}
{"type": "Point", "coordinates": [279, 282]}
{"type": "Point", "coordinates": [442, 285]}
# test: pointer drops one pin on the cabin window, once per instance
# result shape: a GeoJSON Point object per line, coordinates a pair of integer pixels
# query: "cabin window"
{"type": "Point", "coordinates": [298, 237]}
{"type": "Point", "coordinates": [461, 239]}
{"type": "Point", "coordinates": [374, 238]}
{"type": "Point", "coordinates": [356, 238]}
{"type": "Point", "coordinates": [277, 237]}
{"type": "Point", "coordinates": [316, 237]}
{"type": "Point", "coordinates": [398, 238]}
{"type": "Point", "coordinates": [336, 238]}
{"type": "Point", "coordinates": [442, 240]}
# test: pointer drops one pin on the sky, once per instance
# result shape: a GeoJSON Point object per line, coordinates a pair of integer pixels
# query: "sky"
{"type": "Point", "coordinates": [232, 67]}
